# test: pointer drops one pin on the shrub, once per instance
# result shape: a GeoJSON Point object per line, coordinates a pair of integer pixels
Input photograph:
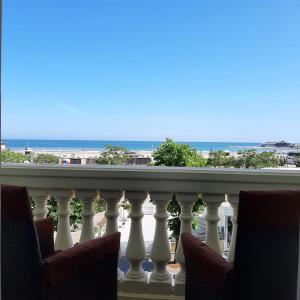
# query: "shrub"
{"type": "Point", "coordinates": [75, 211]}
{"type": "Point", "coordinates": [175, 210]}
{"type": "Point", "coordinates": [297, 161]}
{"type": "Point", "coordinates": [46, 159]}
{"type": "Point", "coordinates": [169, 153]}
{"type": "Point", "coordinates": [10, 156]}
{"type": "Point", "coordinates": [113, 155]}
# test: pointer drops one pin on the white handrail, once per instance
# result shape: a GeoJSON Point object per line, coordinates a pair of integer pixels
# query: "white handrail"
{"type": "Point", "coordinates": [151, 179]}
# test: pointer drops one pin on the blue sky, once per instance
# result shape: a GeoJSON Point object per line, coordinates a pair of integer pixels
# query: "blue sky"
{"type": "Point", "coordinates": [209, 70]}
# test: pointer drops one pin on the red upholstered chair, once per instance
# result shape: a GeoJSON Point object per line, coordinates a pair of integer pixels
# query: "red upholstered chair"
{"type": "Point", "coordinates": [266, 265]}
{"type": "Point", "coordinates": [31, 269]}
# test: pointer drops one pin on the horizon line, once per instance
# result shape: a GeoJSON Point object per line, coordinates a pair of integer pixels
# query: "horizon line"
{"type": "Point", "coordinates": [125, 140]}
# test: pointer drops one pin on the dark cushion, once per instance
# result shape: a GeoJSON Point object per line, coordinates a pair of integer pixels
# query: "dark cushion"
{"type": "Point", "coordinates": [267, 245]}
{"type": "Point", "coordinates": [87, 271]}
{"type": "Point", "coordinates": [45, 229]}
{"type": "Point", "coordinates": [15, 202]}
{"type": "Point", "coordinates": [208, 275]}
{"type": "Point", "coordinates": [64, 265]}
{"type": "Point", "coordinates": [263, 208]}
{"type": "Point", "coordinates": [20, 256]}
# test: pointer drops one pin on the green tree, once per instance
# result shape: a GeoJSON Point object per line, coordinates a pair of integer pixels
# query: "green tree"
{"type": "Point", "coordinates": [169, 153]}
{"type": "Point", "coordinates": [175, 210]}
{"type": "Point", "coordinates": [46, 159]}
{"type": "Point", "coordinates": [283, 160]}
{"type": "Point", "coordinates": [113, 155]}
{"type": "Point", "coordinates": [297, 161]}
{"type": "Point", "coordinates": [75, 211]}
{"type": "Point", "coordinates": [250, 159]}
{"type": "Point", "coordinates": [268, 160]}
{"type": "Point", "coordinates": [10, 156]}
{"type": "Point", "coordinates": [52, 211]}
{"type": "Point", "coordinates": [220, 159]}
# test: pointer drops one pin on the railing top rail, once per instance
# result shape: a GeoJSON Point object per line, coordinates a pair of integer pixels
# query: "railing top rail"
{"type": "Point", "coordinates": [150, 169]}
{"type": "Point", "coordinates": [149, 178]}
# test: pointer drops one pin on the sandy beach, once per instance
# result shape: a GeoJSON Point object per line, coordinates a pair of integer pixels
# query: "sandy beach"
{"type": "Point", "coordinates": [84, 154]}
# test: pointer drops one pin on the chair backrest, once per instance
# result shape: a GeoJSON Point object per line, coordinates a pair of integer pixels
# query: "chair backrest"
{"type": "Point", "coordinates": [20, 257]}
{"type": "Point", "coordinates": [267, 245]}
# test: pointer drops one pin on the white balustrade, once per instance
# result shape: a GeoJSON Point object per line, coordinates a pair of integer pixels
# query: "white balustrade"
{"type": "Point", "coordinates": [60, 182]}
{"type": "Point", "coordinates": [63, 238]}
{"type": "Point", "coordinates": [212, 203]}
{"type": "Point", "coordinates": [234, 202]}
{"type": "Point", "coordinates": [135, 279]}
{"type": "Point", "coordinates": [87, 199]}
{"type": "Point", "coordinates": [40, 198]}
{"type": "Point", "coordinates": [160, 279]}
{"type": "Point", "coordinates": [186, 201]}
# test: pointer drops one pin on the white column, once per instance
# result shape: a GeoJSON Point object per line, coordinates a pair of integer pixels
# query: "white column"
{"type": "Point", "coordinates": [40, 198]}
{"type": "Point", "coordinates": [234, 202]}
{"type": "Point", "coordinates": [160, 279]}
{"type": "Point", "coordinates": [112, 199]}
{"type": "Point", "coordinates": [212, 203]}
{"type": "Point", "coordinates": [135, 279]}
{"type": "Point", "coordinates": [87, 199]}
{"type": "Point", "coordinates": [186, 201]}
{"type": "Point", "coordinates": [63, 238]}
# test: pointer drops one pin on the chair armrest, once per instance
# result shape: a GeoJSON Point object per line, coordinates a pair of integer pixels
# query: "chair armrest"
{"type": "Point", "coordinates": [44, 229]}
{"type": "Point", "coordinates": [208, 275]}
{"type": "Point", "coordinates": [79, 260]}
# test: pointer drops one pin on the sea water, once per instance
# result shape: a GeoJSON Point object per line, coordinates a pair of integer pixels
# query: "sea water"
{"type": "Point", "coordinates": [21, 144]}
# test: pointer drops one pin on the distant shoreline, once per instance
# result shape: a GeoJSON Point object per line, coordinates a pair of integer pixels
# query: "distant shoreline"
{"type": "Point", "coordinates": [84, 145]}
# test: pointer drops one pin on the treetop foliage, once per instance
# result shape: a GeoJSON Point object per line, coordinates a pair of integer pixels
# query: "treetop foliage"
{"type": "Point", "coordinates": [10, 156]}
{"type": "Point", "coordinates": [113, 155]}
{"type": "Point", "coordinates": [17, 157]}
{"type": "Point", "coordinates": [297, 161]}
{"type": "Point", "coordinates": [219, 159]}
{"type": "Point", "coordinates": [248, 159]}
{"type": "Point", "coordinates": [251, 159]}
{"type": "Point", "coordinates": [169, 153]}
{"type": "Point", "coordinates": [46, 159]}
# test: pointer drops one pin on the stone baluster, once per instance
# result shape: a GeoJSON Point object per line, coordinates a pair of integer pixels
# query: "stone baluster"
{"type": "Point", "coordinates": [135, 279]}
{"type": "Point", "coordinates": [186, 201]}
{"type": "Point", "coordinates": [40, 198]}
{"type": "Point", "coordinates": [160, 279]}
{"type": "Point", "coordinates": [112, 199]}
{"type": "Point", "coordinates": [234, 202]}
{"type": "Point", "coordinates": [63, 238]}
{"type": "Point", "coordinates": [87, 199]}
{"type": "Point", "coordinates": [212, 203]}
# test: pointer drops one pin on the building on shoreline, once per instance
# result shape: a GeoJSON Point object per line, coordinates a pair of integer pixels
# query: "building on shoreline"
{"type": "Point", "coordinates": [280, 144]}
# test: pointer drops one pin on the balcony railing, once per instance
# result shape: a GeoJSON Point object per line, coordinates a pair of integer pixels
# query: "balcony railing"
{"type": "Point", "coordinates": [87, 182]}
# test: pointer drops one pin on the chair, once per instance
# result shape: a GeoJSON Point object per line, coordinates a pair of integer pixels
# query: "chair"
{"type": "Point", "coordinates": [31, 269]}
{"type": "Point", "coordinates": [266, 265]}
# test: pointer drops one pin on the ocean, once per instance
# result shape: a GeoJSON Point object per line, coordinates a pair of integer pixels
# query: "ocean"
{"type": "Point", "coordinates": [21, 144]}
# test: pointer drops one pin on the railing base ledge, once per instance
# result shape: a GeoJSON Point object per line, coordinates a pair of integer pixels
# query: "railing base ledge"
{"type": "Point", "coordinates": [135, 296]}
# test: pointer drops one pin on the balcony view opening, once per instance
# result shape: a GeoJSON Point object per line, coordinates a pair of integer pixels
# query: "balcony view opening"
{"type": "Point", "coordinates": [165, 121]}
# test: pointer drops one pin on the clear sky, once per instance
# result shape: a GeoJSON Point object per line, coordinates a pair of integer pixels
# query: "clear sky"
{"type": "Point", "coordinates": [202, 70]}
